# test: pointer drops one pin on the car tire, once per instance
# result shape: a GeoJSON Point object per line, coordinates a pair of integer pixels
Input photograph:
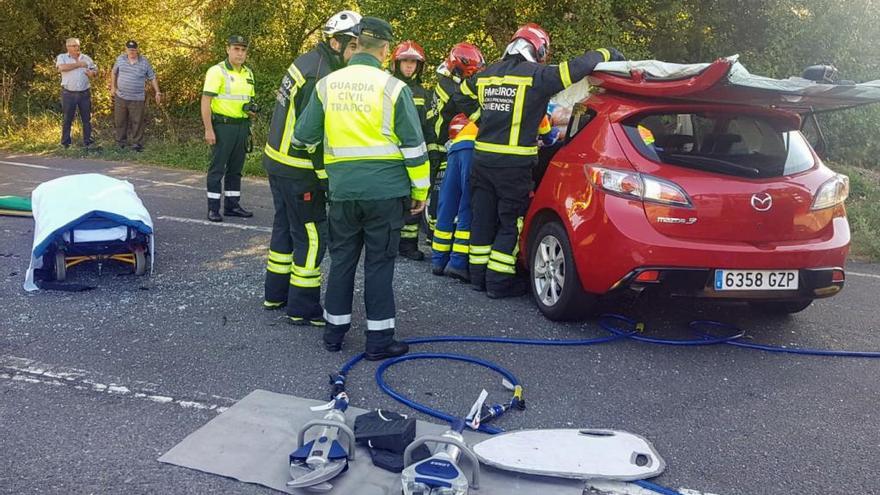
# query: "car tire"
{"type": "Point", "coordinates": [140, 261]}
{"type": "Point", "coordinates": [60, 266]}
{"type": "Point", "coordinates": [781, 307]}
{"type": "Point", "coordinates": [553, 277]}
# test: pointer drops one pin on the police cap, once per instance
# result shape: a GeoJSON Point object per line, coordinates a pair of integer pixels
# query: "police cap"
{"type": "Point", "coordinates": [236, 39]}
{"type": "Point", "coordinates": [375, 28]}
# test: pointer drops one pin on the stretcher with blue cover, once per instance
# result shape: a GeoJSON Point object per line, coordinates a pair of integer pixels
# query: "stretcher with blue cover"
{"type": "Point", "coordinates": [87, 217]}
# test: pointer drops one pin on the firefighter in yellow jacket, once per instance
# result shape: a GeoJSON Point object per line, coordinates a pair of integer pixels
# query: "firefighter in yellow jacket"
{"type": "Point", "coordinates": [299, 229]}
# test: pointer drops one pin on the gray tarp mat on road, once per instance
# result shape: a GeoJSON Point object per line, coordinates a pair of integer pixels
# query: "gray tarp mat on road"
{"type": "Point", "coordinates": [251, 442]}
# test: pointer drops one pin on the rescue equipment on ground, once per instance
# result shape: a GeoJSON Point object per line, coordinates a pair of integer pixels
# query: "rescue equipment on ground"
{"type": "Point", "coordinates": [15, 206]}
{"type": "Point", "coordinates": [313, 464]}
{"type": "Point", "coordinates": [440, 474]}
{"type": "Point", "coordinates": [573, 453]}
{"type": "Point", "coordinates": [387, 434]}
{"type": "Point", "coordinates": [88, 217]}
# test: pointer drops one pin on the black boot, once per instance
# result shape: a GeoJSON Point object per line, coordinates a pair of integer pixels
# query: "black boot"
{"type": "Point", "coordinates": [214, 210]}
{"type": "Point", "coordinates": [231, 208]}
{"type": "Point", "coordinates": [478, 277]}
{"type": "Point", "coordinates": [333, 338]}
{"type": "Point", "coordinates": [381, 345]}
{"type": "Point", "coordinates": [410, 249]}
{"type": "Point", "coordinates": [314, 321]}
{"type": "Point", "coordinates": [458, 273]}
{"type": "Point", "coordinates": [515, 287]}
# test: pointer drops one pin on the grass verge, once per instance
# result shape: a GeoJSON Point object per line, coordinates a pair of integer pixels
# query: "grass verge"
{"type": "Point", "coordinates": [863, 211]}
{"type": "Point", "coordinates": [40, 134]}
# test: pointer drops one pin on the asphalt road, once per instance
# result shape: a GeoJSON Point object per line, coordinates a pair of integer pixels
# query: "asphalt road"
{"type": "Point", "coordinates": [94, 386]}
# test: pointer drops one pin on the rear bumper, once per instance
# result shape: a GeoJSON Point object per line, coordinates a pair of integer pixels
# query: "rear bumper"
{"type": "Point", "coordinates": [814, 283]}
{"type": "Point", "coordinates": [609, 250]}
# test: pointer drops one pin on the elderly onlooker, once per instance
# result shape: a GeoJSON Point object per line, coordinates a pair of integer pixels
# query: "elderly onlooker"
{"type": "Point", "coordinates": [127, 80]}
{"type": "Point", "coordinates": [76, 70]}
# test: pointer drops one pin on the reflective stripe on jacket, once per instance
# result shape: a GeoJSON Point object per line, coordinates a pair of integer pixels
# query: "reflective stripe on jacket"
{"type": "Point", "coordinates": [296, 88]}
{"type": "Point", "coordinates": [370, 130]}
{"type": "Point", "coordinates": [513, 94]}
{"type": "Point", "coordinates": [230, 89]}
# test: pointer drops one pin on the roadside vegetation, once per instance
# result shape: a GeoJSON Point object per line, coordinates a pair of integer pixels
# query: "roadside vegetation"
{"type": "Point", "coordinates": [862, 211]}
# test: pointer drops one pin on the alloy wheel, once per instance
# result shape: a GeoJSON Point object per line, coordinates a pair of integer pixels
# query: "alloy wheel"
{"type": "Point", "coordinates": [549, 271]}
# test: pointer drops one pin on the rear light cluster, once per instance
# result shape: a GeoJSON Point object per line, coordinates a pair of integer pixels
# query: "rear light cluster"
{"type": "Point", "coordinates": [642, 187]}
{"type": "Point", "coordinates": [832, 193]}
{"type": "Point", "coordinates": [648, 276]}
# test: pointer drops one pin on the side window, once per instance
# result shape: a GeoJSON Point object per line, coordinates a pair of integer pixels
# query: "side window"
{"type": "Point", "coordinates": [579, 119]}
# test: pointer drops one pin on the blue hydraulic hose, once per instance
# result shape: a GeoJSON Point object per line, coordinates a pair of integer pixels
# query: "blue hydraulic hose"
{"type": "Point", "coordinates": [607, 322]}
{"type": "Point", "coordinates": [610, 323]}
{"type": "Point", "coordinates": [655, 487]}
{"type": "Point", "coordinates": [697, 326]}
{"type": "Point", "coordinates": [703, 339]}
{"type": "Point", "coordinates": [380, 380]}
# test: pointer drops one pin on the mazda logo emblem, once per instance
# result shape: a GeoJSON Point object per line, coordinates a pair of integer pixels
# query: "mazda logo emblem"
{"type": "Point", "coordinates": [762, 202]}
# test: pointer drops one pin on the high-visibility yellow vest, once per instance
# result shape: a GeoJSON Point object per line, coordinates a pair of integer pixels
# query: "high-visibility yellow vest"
{"type": "Point", "coordinates": [231, 89]}
{"type": "Point", "coordinates": [359, 115]}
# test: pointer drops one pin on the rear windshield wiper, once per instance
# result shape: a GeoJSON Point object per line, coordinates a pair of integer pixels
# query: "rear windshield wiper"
{"type": "Point", "coordinates": [710, 164]}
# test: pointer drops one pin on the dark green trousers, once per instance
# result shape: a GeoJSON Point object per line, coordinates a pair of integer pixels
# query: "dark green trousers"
{"type": "Point", "coordinates": [227, 161]}
{"type": "Point", "coordinates": [374, 227]}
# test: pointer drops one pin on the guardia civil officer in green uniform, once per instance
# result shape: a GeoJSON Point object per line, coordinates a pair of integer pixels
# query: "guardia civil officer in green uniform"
{"type": "Point", "coordinates": [293, 270]}
{"type": "Point", "coordinates": [377, 164]}
{"type": "Point", "coordinates": [226, 112]}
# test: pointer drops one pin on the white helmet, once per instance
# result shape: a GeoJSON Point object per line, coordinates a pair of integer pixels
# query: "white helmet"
{"type": "Point", "coordinates": [342, 22]}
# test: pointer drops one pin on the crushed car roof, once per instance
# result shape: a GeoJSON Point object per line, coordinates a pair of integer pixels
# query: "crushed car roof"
{"type": "Point", "coordinates": [728, 81]}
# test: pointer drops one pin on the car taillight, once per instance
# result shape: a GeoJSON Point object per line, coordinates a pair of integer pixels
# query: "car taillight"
{"type": "Point", "coordinates": [833, 192]}
{"type": "Point", "coordinates": [648, 276]}
{"type": "Point", "coordinates": [638, 186]}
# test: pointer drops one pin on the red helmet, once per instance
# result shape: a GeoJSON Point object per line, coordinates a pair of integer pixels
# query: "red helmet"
{"type": "Point", "coordinates": [465, 59]}
{"type": "Point", "coordinates": [408, 50]}
{"type": "Point", "coordinates": [537, 37]}
{"type": "Point", "coordinates": [457, 124]}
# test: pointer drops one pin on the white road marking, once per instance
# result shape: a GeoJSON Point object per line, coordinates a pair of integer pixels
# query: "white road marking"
{"type": "Point", "coordinates": [125, 177]}
{"type": "Point", "coordinates": [28, 371]}
{"type": "Point", "coordinates": [216, 224]}
{"type": "Point", "coordinates": [868, 275]}
{"type": "Point", "coordinates": [161, 183]}
{"type": "Point", "coordinates": [28, 165]}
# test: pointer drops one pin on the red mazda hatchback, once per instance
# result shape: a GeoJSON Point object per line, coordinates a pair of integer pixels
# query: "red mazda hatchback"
{"type": "Point", "coordinates": [692, 186]}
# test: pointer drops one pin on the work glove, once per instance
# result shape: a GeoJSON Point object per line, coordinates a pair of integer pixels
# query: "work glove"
{"type": "Point", "coordinates": [616, 55]}
{"type": "Point", "coordinates": [550, 138]}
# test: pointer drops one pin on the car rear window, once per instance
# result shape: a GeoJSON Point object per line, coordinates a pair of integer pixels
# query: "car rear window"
{"type": "Point", "coordinates": [732, 144]}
